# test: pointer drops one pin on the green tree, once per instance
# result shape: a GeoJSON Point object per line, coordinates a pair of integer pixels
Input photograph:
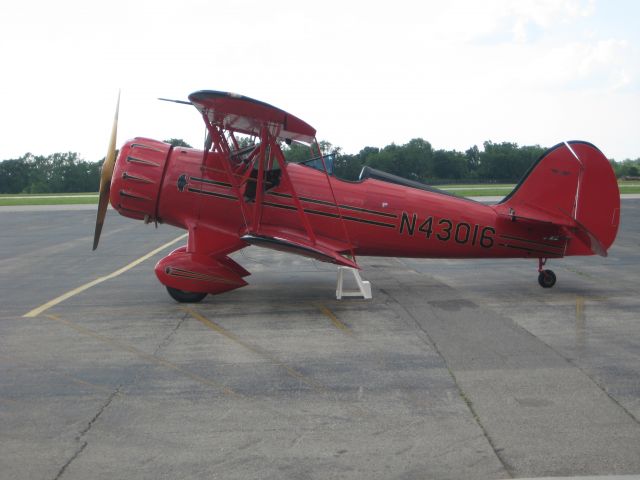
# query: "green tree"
{"type": "Point", "coordinates": [628, 168]}
{"type": "Point", "coordinates": [39, 174]}
{"type": "Point", "coordinates": [506, 161]}
{"type": "Point", "coordinates": [473, 160]}
{"type": "Point", "coordinates": [366, 153]}
{"type": "Point", "coordinates": [177, 142]}
{"type": "Point", "coordinates": [417, 160]}
{"type": "Point", "coordinates": [14, 176]}
{"type": "Point", "coordinates": [245, 141]}
{"type": "Point", "coordinates": [56, 173]}
{"type": "Point", "coordinates": [449, 165]}
{"type": "Point", "coordinates": [327, 148]}
{"type": "Point", "coordinates": [297, 152]}
{"type": "Point", "coordinates": [347, 167]}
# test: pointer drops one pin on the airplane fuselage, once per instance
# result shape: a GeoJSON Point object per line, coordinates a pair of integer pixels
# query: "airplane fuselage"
{"type": "Point", "coordinates": [372, 217]}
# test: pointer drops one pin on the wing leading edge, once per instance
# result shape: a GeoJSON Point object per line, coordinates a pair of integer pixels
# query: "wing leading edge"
{"type": "Point", "coordinates": [247, 115]}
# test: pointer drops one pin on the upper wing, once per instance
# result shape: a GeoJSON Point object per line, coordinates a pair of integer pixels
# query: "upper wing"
{"type": "Point", "coordinates": [247, 115]}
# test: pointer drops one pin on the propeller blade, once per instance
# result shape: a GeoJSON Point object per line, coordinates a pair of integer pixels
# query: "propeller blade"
{"type": "Point", "coordinates": [105, 178]}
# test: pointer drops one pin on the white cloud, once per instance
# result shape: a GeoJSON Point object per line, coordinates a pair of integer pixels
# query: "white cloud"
{"type": "Point", "coordinates": [587, 65]}
{"type": "Point", "coordinates": [507, 20]}
{"type": "Point", "coordinates": [455, 73]}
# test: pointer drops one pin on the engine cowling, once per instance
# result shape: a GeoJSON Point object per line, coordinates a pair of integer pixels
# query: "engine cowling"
{"type": "Point", "coordinates": [137, 178]}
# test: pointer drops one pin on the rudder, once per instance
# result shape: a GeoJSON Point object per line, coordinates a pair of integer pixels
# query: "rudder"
{"type": "Point", "coordinates": [574, 186]}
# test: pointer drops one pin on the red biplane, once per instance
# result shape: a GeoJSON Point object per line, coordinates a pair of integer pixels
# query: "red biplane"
{"type": "Point", "coordinates": [228, 197]}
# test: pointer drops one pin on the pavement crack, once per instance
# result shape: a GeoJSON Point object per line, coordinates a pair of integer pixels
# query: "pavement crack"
{"type": "Point", "coordinates": [604, 390]}
{"type": "Point", "coordinates": [428, 340]}
{"type": "Point", "coordinates": [85, 430]}
{"type": "Point", "coordinates": [70, 461]}
{"type": "Point", "coordinates": [574, 363]}
{"type": "Point", "coordinates": [146, 356]}
{"type": "Point", "coordinates": [167, 340]}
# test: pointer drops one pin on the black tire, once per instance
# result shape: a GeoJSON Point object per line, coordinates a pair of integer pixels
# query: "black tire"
{"type": "Point", "coordinates": [547, 278]}
{"type": "Point", "coordinates": [185, 297]}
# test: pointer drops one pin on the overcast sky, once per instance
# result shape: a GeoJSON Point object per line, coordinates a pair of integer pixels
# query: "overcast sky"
{"type": "Point", "coordinates": [453, 72]}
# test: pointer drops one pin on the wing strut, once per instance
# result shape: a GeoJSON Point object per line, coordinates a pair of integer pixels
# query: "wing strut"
{"type": "Point", "coordinates": [219, 143]}
{"type": "Point", "coordinates": [249, 182]}
{"type": "Point", "coordinates": [294, 195]}
{"type": "Point", "coordinates": [333, 195]}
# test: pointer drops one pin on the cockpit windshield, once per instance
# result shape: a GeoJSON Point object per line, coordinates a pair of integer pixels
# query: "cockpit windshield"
{"type": "Point", "coordinates": [316, 163]}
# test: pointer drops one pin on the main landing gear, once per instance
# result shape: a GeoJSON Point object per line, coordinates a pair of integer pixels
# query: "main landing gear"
{"type": "Point", "coordinates": [546, 278]}
{"type": "Point", "coordinates": [185, 297]}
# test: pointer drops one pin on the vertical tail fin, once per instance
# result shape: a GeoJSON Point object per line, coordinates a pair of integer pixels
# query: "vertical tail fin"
{"type": "Point", "coordinates": [571, 185]}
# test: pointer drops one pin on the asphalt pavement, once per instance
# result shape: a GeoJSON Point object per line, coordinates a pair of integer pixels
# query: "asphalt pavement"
{"type": "Point", "coordinates": [455, 369]}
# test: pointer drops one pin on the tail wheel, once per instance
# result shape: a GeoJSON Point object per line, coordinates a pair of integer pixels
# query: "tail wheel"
{"type": "Point", "coordinates": [546, 278]}
{"type": "Point", "coordinates": [185, 297]}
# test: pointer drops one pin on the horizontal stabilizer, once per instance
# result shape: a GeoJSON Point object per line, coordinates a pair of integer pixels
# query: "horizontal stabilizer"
{"type": "Point", "coordinates": [589, 239]}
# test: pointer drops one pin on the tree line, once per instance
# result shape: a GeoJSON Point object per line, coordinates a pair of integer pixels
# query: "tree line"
{"type": "Point", "coordinates": [56, 173]}
{"type": "Point", "coordinates": [415, 160]}
{"type": "Point", "coordinates": [418, 160]}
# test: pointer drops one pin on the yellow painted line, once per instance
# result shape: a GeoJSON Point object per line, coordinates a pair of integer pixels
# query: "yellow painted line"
{"type": "Point", "coordinates": [334, 320]}
{"type": "Point", "coordinates": [580, 307]}
{"type": "Point", "coordinates": [87, 384]}
{"type": "Point", "coordinates": [258, 351]}
{"type": "Point", "coordinates": [52, 303]}
{"type": "Point", "coordinates": [9, 400]}
{"type": "Point", "coordinates": [143, 355]}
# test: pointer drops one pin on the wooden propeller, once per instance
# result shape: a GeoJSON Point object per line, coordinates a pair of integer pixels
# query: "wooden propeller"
{"type": "Point", "coordinates": [105, 178]}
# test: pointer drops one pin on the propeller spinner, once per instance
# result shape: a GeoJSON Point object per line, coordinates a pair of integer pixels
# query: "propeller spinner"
{"type": "Point", "coordinates": [105, 178]}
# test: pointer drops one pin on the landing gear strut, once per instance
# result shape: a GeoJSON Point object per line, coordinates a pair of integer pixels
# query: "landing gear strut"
{"type": "Point", "coordinates": [546, 278]}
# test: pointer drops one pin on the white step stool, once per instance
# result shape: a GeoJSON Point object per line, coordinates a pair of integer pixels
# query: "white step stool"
{"type": "Point", "coordinates": [363, 286]}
